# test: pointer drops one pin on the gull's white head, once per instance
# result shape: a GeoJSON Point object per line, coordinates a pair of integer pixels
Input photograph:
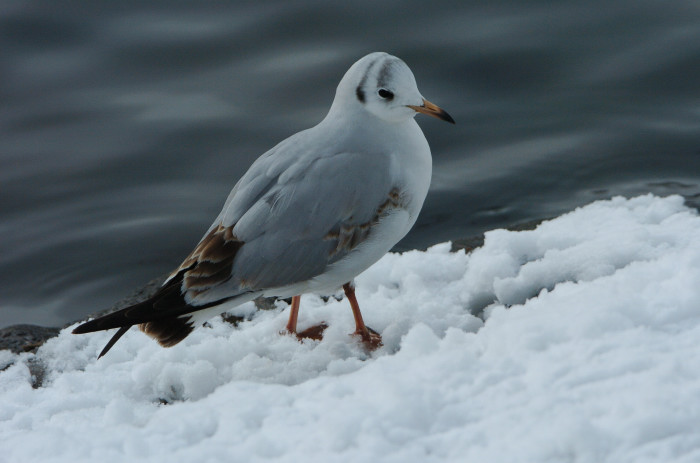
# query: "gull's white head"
{"type": "Point", "coordinates": [384, 86]}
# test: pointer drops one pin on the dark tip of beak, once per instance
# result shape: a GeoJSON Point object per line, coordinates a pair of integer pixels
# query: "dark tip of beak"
{"type": "Point", "coordinates": [445, 117]}
{"type": "Point", "coordinates": [431, 109]}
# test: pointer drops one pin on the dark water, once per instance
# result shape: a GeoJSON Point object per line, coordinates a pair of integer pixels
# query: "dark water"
{"type": "Point", "coordinates": [123, 125]}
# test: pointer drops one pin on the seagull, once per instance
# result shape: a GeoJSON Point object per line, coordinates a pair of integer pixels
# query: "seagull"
{"type": "Point", "coordinates": [309, 215]}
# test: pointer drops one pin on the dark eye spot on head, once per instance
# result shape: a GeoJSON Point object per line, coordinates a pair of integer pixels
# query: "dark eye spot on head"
{"type": "Point", "coordinates": [386, 94]}
{"type": "Point", "coordinates": [360, 94]}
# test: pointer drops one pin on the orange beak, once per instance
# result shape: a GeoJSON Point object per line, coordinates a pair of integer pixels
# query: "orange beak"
{"type": "Point", "coordinates": [432, 110]}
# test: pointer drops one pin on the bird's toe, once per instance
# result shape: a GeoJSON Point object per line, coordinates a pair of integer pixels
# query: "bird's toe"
{"type": "Point", "coordinates": [370, 339]}
{"type": "Point", "coordinates": [315, 332]}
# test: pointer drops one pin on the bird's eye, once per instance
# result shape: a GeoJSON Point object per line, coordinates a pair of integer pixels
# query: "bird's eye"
{"type": "Point", "coordinates": [386, 94]}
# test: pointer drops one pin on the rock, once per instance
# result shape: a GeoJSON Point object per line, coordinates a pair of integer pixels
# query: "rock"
{"type": "Point", "coordinates": [471, 243]}
{"type": "Point", "coordinates": [266, 303]}
{"type": "Point", "coordinates": [25, 338]}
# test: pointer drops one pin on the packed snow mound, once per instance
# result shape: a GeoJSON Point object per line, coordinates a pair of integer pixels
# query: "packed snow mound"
{"type": "Point", "coordinates": [576, 341]}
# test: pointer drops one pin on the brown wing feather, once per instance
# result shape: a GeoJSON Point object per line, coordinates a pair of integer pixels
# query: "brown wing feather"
{"type": "Point", "coordinates": [347, 236]}
{"type": "Point", "coordinates": [210, 262]}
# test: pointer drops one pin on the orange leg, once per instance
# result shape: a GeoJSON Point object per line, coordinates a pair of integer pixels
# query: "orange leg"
{"type": "Point", "coordinates": [315, 332]}
{"type": "Point", "coordinates": [293, 315]}
{"type": "Point", "coordinates": [371, 339]}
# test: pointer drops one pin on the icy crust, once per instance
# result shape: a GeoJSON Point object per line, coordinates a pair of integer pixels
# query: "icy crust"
{"type": "Point", "coordinates": [589, 353]}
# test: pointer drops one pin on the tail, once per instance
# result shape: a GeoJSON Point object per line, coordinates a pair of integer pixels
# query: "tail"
{"type": "Point", "coordinates": [163, 317]}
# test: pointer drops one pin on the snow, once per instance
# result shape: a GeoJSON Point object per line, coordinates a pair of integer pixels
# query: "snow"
{"type": "Point", "coordinates": [573, 342]}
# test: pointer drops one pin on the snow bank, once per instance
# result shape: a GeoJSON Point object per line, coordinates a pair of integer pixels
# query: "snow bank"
{"type": "Point", "coordinates": [588, 353]}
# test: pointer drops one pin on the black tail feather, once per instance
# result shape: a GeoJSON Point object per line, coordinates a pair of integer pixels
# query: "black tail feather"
{"type": "Point", "coordinates": [160, 317]}
{"type": "Point", "coordinates": [121, 318]}
{"type": "Point", "coordinates": [113, 341]}
{"type": "Point", "coordinates": [168, 302]}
